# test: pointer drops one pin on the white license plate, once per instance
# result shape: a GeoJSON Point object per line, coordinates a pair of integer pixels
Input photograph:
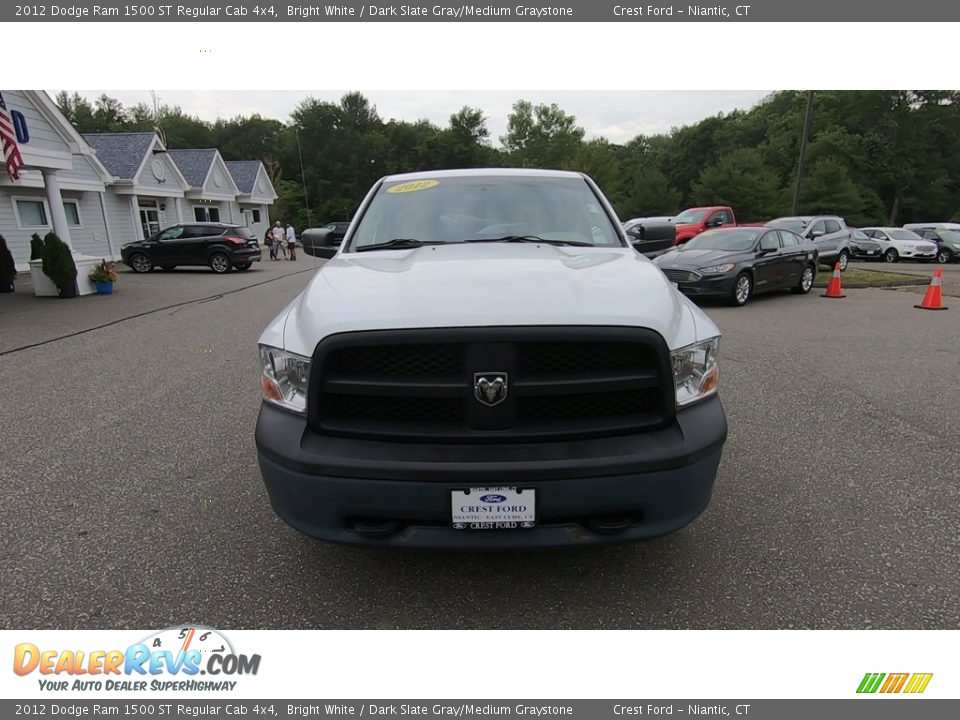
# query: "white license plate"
{"type": "Point", "coordinates": [493, 508]}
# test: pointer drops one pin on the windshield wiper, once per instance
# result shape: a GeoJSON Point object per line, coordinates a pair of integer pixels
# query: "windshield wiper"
{"type": "Point", "coordinates": [530, 239]}
{"type": "Point", "coordinates": [396, 243]}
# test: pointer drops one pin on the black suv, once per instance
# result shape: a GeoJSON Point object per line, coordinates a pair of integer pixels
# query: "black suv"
{"type": "Point", "coordinates": [217, 245]}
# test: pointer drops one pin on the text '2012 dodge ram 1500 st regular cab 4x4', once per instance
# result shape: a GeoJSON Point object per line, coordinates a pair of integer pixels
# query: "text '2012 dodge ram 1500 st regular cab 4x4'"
{"type": "Point", "coordinates": [487, 363]}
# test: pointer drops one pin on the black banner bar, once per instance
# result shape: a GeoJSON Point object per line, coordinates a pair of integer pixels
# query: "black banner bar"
{"type": "Point", "coordinates": [867, 708]}
{"type": "Point", "coordinates": [529, 11]}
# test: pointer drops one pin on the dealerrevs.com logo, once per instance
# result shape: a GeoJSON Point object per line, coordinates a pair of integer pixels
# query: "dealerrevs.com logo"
{"type": "Point", "coordinates": [173, 659]}
{"type": "Point", "coordinates": [892, 683]}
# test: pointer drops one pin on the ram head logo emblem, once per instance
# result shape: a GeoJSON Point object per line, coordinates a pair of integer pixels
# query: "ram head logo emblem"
{"type": "Point", "coordinates": [490, 388]}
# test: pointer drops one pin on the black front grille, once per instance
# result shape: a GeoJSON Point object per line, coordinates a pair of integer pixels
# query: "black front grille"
{"type": "Point", "coordinates": [681, 275]}
{"type": "Point", "coordinates": [573, 357]}
{"type": "Point", "coordinates": [399, 361]}
{"type": "Point", "coordinates": [561, 383]}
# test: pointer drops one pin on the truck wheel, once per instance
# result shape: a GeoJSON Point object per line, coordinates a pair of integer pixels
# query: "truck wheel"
{"type": "Point", "coordinates": [806, 281]}
{"type": "Point", "coordinates": [742, 290]}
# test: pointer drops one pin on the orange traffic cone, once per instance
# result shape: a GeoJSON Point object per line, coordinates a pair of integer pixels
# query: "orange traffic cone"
{"type": "Point", "coordinates": [834, 287]}
{"type": "Point", "coordinates": [933, 299]}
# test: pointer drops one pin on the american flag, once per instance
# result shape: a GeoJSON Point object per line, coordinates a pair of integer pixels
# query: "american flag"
{"type": "Point", "coordinates": [11, 153]}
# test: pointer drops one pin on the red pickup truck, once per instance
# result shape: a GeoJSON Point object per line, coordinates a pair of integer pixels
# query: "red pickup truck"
{"type": "Point", "coordinates": [693, 221]}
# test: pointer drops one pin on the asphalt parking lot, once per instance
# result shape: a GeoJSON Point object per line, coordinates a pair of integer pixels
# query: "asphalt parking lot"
{"type": "Point", "coordinates": [132, 496]}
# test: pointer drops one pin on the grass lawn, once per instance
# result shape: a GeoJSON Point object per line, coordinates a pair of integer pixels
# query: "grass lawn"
{"type": "Point", "coordinates": [857, 278]}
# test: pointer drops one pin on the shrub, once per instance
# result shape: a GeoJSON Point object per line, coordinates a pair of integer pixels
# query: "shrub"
{"type": "Point", "coordinates": [58, 262]}
{"type": "Point", "coordinates": [36, 247]}
{"type": "Point", "coordinates": [8, 269]}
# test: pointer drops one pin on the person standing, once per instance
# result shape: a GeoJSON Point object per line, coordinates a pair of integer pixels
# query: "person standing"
{"type": "Point", "coordinates": [291, 241]}
{"type": "Point", "coordinates": [271, 242]}
{"type": "Point", "coordinates": [280, 237]}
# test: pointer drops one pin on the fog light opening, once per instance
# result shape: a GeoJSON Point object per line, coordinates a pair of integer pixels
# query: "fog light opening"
{"type": "Point", "coordinates": [609, 524]}
{"type": "Point", "coordinates": [375, 528]}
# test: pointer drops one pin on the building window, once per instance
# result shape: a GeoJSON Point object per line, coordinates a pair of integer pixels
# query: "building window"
{"type": "Point", "coordinates": [32, 213]}
{"type": "Point", "coordinates": [256, 215]}
{"type": "Point", "coordinates": [205, 213]}
{"type": "Point", "coordinates": [72, 209]}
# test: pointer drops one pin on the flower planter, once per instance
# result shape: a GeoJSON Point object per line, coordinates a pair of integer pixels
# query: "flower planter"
{"type": "Point", "coordinates": [85, 264]}
{"type": "Point", "coordinates": [104, 288]}
{"type": "Point", "coordinates": [42, 285]}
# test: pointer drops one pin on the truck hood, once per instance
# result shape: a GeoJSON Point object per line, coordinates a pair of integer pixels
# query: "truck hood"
{"type": "Point", "coordinates": [487, 284]}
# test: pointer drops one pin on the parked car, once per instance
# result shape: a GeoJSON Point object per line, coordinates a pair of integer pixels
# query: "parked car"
{"type": "Point", "coordinates": [219, 246]}
{"type": "Point", "coordinates": [828, 232]}
{"type": "Point", "coordinates": [862, 247]}
{"type": "Point", "coordinates": [655, 219]}
{"type": "Point", "coordinates": [737, 263]}
{"type": "Point", "coordinates": [898, 243]}
{"type": "Point", "coordinates": [445, 383]}
{"type": "Point", "coordinates": [945, 235]}
{"type": "Point", "coordinates": [652, 236]}
{"type": "Point", "coordinates": [324, 241]}
{"type": "Point", "coordinates": [693, 221]}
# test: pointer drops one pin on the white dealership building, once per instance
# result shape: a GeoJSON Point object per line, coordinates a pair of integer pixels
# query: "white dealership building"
{"type": "Point", "coordinates": [99, 191]}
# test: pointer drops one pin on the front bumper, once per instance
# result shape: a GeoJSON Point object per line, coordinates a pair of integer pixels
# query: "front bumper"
{"type": "Point", "coordinates": [335, 488]}
{"type": "Point", "coordinates": [709, 286]}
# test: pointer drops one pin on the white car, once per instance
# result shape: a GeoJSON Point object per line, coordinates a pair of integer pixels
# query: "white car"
{"type": "Point", "coordinates": [636, 221]}
{"type": "Point", "coordinates": [487, 363]}
{"type": "Point", "coordinates": [900, 243]}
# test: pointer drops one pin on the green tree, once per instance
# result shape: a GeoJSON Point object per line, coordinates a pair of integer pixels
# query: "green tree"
{"type": "Point", "coordinates": [598, 159]}
{"type": "Point", "coordinates": [541, 136]}
{"type": "Point", "coordinates": [647, 192]}
{"type": "Point", "coordinates": [829, 189]}
{"type": "Point", "coordinates": [740, 180]}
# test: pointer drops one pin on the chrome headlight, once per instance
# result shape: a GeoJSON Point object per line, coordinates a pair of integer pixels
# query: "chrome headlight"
{"type": "Point", "coordinates": [284, 378]}
{"type": "Point", "coordinates": [726, 267]}
{"type": "Point", "coordinates": [695, 371]}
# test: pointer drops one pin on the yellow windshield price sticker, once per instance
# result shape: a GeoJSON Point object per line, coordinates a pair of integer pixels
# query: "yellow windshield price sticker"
{"type": "Point", "coordinates": [414, 186]}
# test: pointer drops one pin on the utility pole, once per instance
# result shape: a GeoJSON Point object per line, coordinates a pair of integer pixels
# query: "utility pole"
{"type": "Point", "coordinates": [303, 179]}
{"type": "Point", "coordinates": [807, 121]}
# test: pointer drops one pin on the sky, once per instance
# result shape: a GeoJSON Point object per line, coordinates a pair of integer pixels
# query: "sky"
{"type": "Point", "coordinates": [617, 116]}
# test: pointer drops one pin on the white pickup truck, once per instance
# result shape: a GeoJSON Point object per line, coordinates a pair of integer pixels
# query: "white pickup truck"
{"type": "Point", "coordinates": [488, 363]}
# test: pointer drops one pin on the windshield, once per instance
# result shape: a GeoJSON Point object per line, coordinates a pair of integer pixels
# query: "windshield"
{"type": "Point", "coordinates": [691, 216]}
{"type": "Point", "coordinates": [453, 210]}
{"type": "Point", "coordinates": [733, 240]}
{"type": "Point", "coordinates": [904, 235]}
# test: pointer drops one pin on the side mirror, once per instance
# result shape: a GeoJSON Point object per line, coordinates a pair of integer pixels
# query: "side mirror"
{"type": "Point", "coordinates": [816, 233]}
